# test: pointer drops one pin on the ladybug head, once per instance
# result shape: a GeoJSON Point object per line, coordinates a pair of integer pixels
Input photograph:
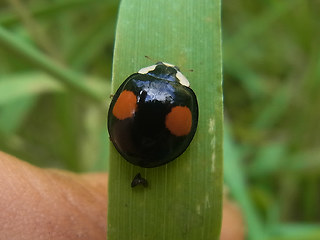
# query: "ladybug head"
{"type": "Point", "coordinates": [166, 71]}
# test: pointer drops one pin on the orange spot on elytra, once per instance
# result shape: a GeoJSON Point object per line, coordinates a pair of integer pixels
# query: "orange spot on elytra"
{"type": "Point", "coordinates": [125, 106]}
{"type": "Point", "coordinates": [179, 121]}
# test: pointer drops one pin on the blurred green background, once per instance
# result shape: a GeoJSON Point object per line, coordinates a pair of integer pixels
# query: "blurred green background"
{"type": "Point", "coordinates": [271, 89]}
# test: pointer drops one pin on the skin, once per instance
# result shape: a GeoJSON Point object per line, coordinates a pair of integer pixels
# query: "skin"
{"type": "Point", "coordinates": [53, 204]}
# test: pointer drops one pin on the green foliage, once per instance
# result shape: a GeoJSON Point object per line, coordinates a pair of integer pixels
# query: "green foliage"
{"type": "Point", "coordinates": [55, 71]}
{"type": "Point", "coordinates": [271, 84]}
{"type": "Point", "coordinates": [54, 81]}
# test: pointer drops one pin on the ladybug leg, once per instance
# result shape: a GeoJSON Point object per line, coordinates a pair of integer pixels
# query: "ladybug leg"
{"type": "Point", "coordinates": [111, 96]}
{"type": "Point", "coordinates": [139, 180]}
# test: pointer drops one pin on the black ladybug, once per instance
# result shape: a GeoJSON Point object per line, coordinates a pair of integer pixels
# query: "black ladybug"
{"type": "Point", "coordinates": [153, 116]}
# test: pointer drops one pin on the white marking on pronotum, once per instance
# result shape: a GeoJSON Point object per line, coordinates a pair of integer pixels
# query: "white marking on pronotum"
{"type": "Point", "coordinates": [169, 64]}
{"type": "Point", "coordinates": [182, 79]}
{"type": "Point", "coordinates": [147, 69]}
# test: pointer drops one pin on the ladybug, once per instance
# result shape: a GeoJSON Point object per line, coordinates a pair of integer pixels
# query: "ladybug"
{"type": "Point", "coordinates": [153, 116]}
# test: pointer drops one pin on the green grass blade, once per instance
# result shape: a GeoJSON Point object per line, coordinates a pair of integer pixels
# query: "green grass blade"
{"type": "Point", "coordinates": [47, 9]}
{"type": "Point", "coordinates": [294, 231]}
{"type": "Point", "coordinates": [98, 34]}
{"type": "Point", "coordinates": [71, 79]}
{"type": "Point", "coordinates": [16, 86]}
{"type": "Point", "coordinates": [12, 115]}
{"type": "Point", "coordinates": [236, 181]}
{"type": "Point", "coordinates": [183, 200]}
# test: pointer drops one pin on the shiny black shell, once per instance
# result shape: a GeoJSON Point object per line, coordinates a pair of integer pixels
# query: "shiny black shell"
{"type": "Point", "coordinates": [143, 139]}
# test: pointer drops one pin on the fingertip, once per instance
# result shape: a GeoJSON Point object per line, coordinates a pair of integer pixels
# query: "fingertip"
{"type": "Point", "coordinates": [233, 227]}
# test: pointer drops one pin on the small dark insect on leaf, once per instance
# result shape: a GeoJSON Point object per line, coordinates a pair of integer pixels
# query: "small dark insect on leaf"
{"type": "Point", "coordinates": [139, 180]}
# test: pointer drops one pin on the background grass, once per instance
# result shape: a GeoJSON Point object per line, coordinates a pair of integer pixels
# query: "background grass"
{"type": "Point", "coordinates": [271, 85]}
